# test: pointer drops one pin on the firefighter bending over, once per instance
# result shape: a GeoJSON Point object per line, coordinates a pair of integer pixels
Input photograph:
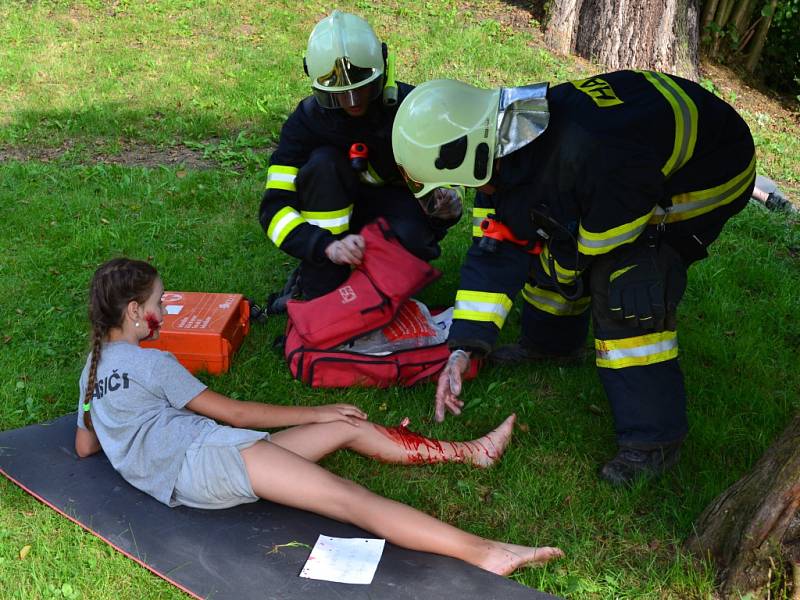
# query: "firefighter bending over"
{"type": "Point", "coordinates": [618, 183]}
{"type": "Point", "coordinates": [333, 170]}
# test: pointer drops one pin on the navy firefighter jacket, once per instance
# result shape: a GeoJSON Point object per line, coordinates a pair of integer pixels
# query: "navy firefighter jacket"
{"type": "Point", "coordinates": [310, 127]}
{"type": "Point", "coordinates": [622, 151]}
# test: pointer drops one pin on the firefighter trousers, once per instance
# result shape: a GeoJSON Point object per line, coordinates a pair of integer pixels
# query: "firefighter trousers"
{"type": "Point", "coordinates": [638, 367]}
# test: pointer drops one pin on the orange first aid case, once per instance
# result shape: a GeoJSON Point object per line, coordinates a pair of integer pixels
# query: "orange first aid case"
{"type": "Point", "coordinates": [202, 330]}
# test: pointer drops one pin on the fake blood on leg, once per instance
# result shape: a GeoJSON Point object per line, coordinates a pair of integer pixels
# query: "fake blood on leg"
{"type": "Point", "coordinates": [422, 450]}
{"type": "Point", "coordinates": [414, 443]}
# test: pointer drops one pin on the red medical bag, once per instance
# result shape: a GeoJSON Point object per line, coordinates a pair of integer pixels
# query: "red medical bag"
{"type": "Point", "coordinates": [370, 300]}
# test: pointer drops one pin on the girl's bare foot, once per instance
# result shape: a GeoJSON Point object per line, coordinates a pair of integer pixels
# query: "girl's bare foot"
{"type": "Point", "coordinates": [504, 559]}
{"type": "Point", "coordinates": [487, 450]}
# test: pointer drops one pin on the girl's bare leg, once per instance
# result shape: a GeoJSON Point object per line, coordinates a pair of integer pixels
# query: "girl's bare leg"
{"type": "Point", "coordinates": [393, 444]}
{"type": "Point", "coordinates": [282, 476]}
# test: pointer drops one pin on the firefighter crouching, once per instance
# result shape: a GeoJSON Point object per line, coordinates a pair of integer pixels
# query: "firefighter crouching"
{"type": "Point", "coordinates": [333, 170]}
{"type": "Point", "coordinates": [625, 179]}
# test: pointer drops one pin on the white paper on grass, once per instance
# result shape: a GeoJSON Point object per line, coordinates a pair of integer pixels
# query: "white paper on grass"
{"type": "Point", "coordinates": [344, 560]}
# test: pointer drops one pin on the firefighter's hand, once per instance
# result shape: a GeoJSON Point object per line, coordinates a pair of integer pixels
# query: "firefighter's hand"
{"type": "Point", "coordinates": [444, 204]}
{"type": "Point", "coordinates": [347, 251]}
{"type": "Point", "coordinates": [449, 386]}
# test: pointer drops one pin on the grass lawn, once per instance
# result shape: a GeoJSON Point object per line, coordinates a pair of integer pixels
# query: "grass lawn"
{"type": "Point", "coordinates": [143, 128]}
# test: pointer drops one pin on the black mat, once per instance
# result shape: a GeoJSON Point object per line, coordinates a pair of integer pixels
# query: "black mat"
{"type": "Point", "coordinates": [226, 553]}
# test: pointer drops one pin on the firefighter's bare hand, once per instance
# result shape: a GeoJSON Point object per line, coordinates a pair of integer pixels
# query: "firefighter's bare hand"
{"type": "Point", "coordinates": [347, 251]}
{"type": "Point", "coordinates": [449, 387]}
{"type": "Point", "coordinates": [338, 412]}
{"type": "Point", "coordinates": [444, 203]}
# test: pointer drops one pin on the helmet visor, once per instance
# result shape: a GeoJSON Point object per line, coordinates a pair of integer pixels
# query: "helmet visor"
{"type": "Point", "coordinates": [345, 75]}
{"type": "Point", "coordinates": [349, 98]}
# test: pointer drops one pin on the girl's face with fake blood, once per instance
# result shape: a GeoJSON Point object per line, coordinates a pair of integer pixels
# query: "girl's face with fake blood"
{"type": "Point", "coordinates": [152, 312]}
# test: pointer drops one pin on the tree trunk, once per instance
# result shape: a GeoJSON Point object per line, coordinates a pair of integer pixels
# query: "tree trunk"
{"type": "Point", "coordinates": [741, 16]}
{"type": "Point", "coordinates": [628, 34]}
{"type": "Point", "coordinates": [721, 19]}
{"type": "Point", "coordinates": [561, 26]}
{"type": "Point", "coordinates": [752, 530]}
{"type": "Point", "coordinates": [760, 38]}
{"type": "Point", "coordinates": [709, 10]}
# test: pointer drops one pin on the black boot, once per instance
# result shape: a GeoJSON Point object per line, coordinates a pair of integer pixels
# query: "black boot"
{"type": "Point", "coordinates": [631, 464]}
{"type": "Point", "coordinates": [276, 302]}
{"type": "Point", "coordinates": [777, 202]}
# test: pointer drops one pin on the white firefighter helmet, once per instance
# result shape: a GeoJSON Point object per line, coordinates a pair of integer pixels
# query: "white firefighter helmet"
{"type": "Point", "coordinates": [345, 61]}
{"type": "Point", "coordinates": [445, 132]}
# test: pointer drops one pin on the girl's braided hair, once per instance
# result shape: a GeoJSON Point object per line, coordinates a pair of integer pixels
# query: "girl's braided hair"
{"type": "Point", "coordinates": [114, 284]}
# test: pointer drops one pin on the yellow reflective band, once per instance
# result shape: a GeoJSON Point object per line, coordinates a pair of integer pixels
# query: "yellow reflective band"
{"type": "Point", "coordinates": [482, 213]}
{"type": "Point", "coordinates": [620, 272]}
{"type": "Point", "coordinates": [335, 221]}
{"type": "Point", "coordinates": [282, 224]}
{"type": "Point", "coordinates": [693, 204]}
{"type": "Point", "coordinates": [598, 90]}
{"type": "Point", "coordinates": [281, 178]}
{"type": "Point", "coordinates": [478, 215]}
{"type": "Point", "coordinates": [636, 351]}
{"type": "Point", "coordinates": [564, 275]}
{"type": "Point", "coordinates": [482, 306]}
{"type": "Point", "coordinates": [370, 176]}
{"type": "Point", "coordinates": [592, 243]}
{"type": "Point", "coordinates": [685, 113]}
{"type": "Point", "coordinates": [553, 302]}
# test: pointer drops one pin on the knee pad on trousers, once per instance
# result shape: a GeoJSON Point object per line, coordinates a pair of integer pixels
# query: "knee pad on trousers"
{"type": "Point", "coordinates": [666, 264]}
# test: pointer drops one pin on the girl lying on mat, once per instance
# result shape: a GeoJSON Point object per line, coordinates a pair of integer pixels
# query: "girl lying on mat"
{"type": "Point", "coordinates": [158, 426]}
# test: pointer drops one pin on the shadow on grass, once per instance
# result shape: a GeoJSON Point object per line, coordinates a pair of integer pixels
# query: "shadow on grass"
{"type": "Point", "coordinates": [115, 134]}
{"type": "Point", "coordinates": [535, 9]}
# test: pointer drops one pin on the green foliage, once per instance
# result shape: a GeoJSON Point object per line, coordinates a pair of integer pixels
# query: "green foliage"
{"type": "Point", "coordinates": [779, 61]}
{"type": "Point", "coordinates": [780, 64]}
{"type": "Point", "coordinates": [709, 85]}
{"type": "Point", "coordinates": [241, 152]}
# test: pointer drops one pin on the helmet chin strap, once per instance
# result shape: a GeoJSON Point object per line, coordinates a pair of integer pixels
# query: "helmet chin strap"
{"type": "Point", "coordinates": [522, 116]}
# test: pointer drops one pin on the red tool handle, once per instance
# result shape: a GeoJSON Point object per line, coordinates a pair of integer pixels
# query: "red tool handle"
{"type": "Point", "coordinates": [499, 231]}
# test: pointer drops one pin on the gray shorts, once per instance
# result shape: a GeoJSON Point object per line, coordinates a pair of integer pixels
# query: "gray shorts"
{"type": "Point", "coordinates": [213, 474]}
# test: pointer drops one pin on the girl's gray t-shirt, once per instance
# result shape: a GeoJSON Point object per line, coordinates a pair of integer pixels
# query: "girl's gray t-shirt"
{"type": "Point", "coordinates": [139, 417]}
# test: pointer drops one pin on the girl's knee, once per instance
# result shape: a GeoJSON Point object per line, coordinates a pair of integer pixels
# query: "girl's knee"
{"type": "Point", "coordinates": [342, 430]}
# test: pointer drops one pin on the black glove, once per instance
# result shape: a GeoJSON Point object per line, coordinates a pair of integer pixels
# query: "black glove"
{"type": "Point", "coordinates": [646, 285]}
